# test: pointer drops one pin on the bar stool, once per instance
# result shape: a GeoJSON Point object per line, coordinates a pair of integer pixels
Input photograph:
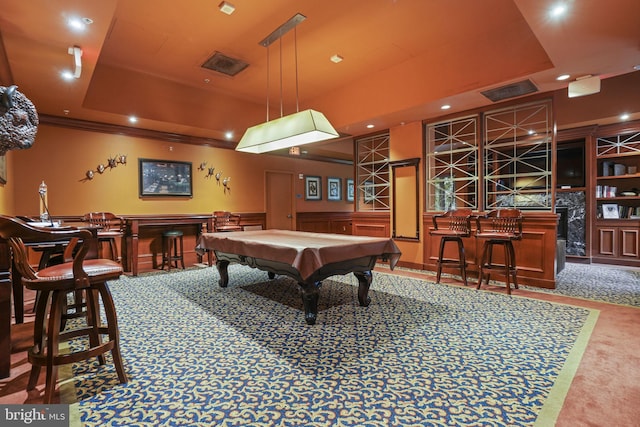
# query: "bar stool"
{"type": "Point", "coordinates": [111, 230]}
{"type": "Point", "coordinates": [77, 274]}
{"type": "Point", "coordinates": [171, 253]}
{"type": "Point", "coordinates": [499, 227]}
{"type": "Point", "coordinates": [452, 226]}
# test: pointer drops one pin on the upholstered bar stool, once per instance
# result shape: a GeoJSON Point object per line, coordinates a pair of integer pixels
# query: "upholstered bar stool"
{"type": "Point", "coordinates": [172, 249]}
{"type": "Point", "coordinates": [452, 226]}
{"type": "Point", "coordinates": [76, 274]}
{"type": "Point", "coordinates": [499, 228]}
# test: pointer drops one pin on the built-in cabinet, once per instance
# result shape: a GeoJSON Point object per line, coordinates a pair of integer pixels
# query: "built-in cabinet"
{"type": "Point", "coordinates": [618, 176]}
{"type": "Point", "coordinates": [617, 195]}
{"type": "Point", "coordinates": [617, 240]}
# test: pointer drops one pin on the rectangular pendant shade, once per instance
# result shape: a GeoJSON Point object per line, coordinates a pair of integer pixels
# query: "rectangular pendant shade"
{"type": "Point", "coordinates": [293, 130]}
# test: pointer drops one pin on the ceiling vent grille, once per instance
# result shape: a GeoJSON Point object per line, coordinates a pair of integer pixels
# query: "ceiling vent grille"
{"type": "Point", "coordinates": [224, 64]}
{"type": "Point", "coordinates": [512, 90]}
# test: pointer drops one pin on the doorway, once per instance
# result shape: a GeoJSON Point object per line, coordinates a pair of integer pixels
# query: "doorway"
{"type": "Point", "coordinates": [279, 200]}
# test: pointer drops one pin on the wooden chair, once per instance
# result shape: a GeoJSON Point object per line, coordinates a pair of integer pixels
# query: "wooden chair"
{"type": "Point", "coordinates": [111, 229]}
{"type": "Point", "coordinates": [499, 227]}
{"type": "Point", "coordinates": [226, 221]}
{"type": "Point", "coordinates": [75, 275]}
{"type": "Point", "coordinates": [452, 226]}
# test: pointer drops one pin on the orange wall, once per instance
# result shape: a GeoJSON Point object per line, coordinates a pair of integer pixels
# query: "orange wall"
{"type": "Point", "coordinates": [406, 143]}
{"type": "Point", "coordinates": [62, 156]}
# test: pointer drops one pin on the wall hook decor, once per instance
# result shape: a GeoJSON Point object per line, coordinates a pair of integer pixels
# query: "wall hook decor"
{"type": "Point", "coordinates": [227, 184]}
{"type": "Point", "coordinates": [112, 162]}
{"type": "Point", "coordinates": [202, 166]}
{"type": "Point", "coordinates": [218, 175]}
{"type": "Point", "coordinates": [209, 172]}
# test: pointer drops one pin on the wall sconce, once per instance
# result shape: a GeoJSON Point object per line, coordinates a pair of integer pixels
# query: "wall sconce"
{"type": "Point", "coordinates": [77, 60]}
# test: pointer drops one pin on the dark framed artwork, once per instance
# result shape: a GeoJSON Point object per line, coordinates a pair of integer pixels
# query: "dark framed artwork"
{"type": "Point", "coordinates": [165, 178]}
{"type": "Point", "coordinates": [368, 191]}
{"type": "Point", "coordinates": [349, 187]}
{"type": "Point", "coordinates": [312, 188]}
{"type": "Point", "coordinates": [334, 189]}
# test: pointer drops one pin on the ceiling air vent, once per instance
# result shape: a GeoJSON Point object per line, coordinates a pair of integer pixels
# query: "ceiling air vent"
{"type": "Point", "coordinates": [510, 91]}
{"type": "Point", "coordinates": [224, 64]}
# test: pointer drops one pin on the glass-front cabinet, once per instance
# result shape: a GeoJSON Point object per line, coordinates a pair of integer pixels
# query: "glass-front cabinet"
{"type": "Point", "coordinates": [507, 164]}
{"type": "Point", "coordinates": [373, 173]}
{"type": "Point", "coordinates": [517, 153]}
{"type": "Point", "coordinates": [452, 164]}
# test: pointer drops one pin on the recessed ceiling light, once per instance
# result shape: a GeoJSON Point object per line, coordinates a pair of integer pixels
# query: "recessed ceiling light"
{"type": "Point", "coordinates": [226, 7]}
{"type": "Point", "coordinates": [563, 77]}
{"type": "Point", "coordinates": [369, 126]}
{"type": "Point", "coordinates": [133, 119]}
{"type": "Point", "coordinates": [67, 75]}
{"type": "Point", "coordinates": [445, 107]}
{"type": "Point", "coordinates": [228, 134]}
{"type": "Point", "coordinates": [79, 24]}
{"type": "Point", "coordinates": [558, 10]}
{"type": "Point", "coordinates": [636, 67]}
{"type": "Point", "coordinates": [336, 58]}
{"type": "Point", "coordinates": [624, 116]}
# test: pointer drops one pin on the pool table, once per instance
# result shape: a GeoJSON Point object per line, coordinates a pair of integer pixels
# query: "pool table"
{"type": "Point", "coordinates": [306, 257]}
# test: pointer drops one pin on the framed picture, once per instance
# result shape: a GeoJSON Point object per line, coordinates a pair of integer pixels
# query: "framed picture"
{"type": "Point", "coordinates": [369, 194]}
{"type": "Point", "coordinates": [610, 210]}
{"type": "Point", "coordinates": [334, 189]}
{"type": "Point", "coordinates": [3, 170]}
{"type": "Point", "coordinates": [312, 188]}
{"type": "Point", "coordinates": [349, 186]}
{"type": "Point", "coordinates": [165, 178]}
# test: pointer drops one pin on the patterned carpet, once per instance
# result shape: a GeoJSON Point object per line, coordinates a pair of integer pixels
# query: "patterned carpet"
{"type": "Point", "coordinates": [616, 285]}
{"type": "Point", "coordinates": [420, 354]}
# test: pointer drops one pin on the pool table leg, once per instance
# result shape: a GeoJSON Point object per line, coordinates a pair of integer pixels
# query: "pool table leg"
{"type": "Point", "coordinates": [224, 274]}
{"type": "Point", "coordinates": [310, 301]}
{"type": "Point", "coordinates": [364, 278]}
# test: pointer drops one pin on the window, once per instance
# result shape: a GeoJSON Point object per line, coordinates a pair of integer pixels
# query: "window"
{"type": "Point", "coordinates": [452, 152]}
{"type": "Point", "coordinates": [372, 173]}
{"type": "Point", "coordinates": [517, 157]}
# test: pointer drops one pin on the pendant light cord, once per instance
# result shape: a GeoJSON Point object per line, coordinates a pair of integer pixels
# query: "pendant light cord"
{"type": "Point", "coordinates": [281, 101]}
{"type": "Point", "coordinates": [268, 82]}
{"type": "Point", "coordinates": [295, 49]}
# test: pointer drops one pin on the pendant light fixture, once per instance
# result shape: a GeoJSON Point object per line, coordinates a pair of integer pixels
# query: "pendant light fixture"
{"type": "Point", "coordinates": [302, 127]}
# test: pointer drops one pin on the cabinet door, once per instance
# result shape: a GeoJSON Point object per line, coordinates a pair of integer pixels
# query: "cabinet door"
{"type": "Point", "coordinates": [629, 243]}
{"type": "Point", "coordinates": [607, 239]}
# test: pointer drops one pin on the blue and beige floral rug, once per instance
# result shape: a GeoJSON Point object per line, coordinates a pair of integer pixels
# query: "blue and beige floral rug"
{"type": "Point", "coordinates": [420, 354]}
